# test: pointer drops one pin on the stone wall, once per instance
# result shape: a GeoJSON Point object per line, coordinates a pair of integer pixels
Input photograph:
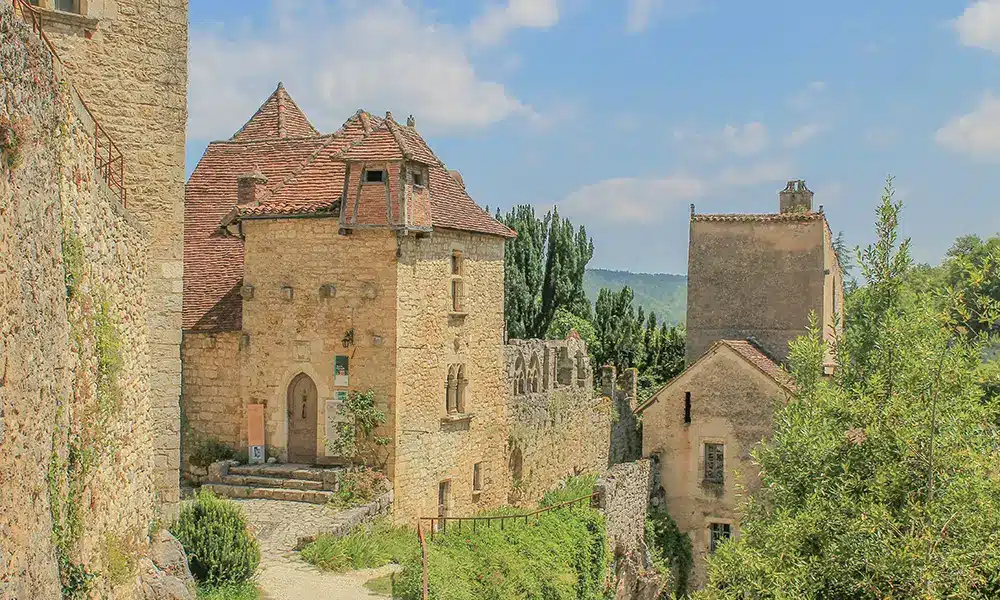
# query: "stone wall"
{"type": "Point", "coordinates": [433, 445]}
{"type": "Point", "coordinates": [758, 278]}
{"type": "Point", "coordinates": [76, 452]}
{"type": "Point", "coordinates": [623, 496]}
{"type": "Point", "coordinates": [626, 432]}
{"type": "Point", "coordinates": [556, 424]}
{"type": "Point", "coordinates": [128, 58]}
{"type": "Point", "coordinates": [211, 406]}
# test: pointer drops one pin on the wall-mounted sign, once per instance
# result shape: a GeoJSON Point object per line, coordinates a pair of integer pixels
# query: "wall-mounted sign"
{"type": "Point", "coordinates": [255, 433]}
{"type": "Point", "coordinates": [340, 374]}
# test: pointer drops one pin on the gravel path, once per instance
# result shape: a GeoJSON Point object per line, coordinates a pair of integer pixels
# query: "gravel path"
{"type": "Point", "coordinates": [283, 575]}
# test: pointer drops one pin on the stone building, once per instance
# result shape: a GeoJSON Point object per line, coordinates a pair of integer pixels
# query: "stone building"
{"type": "Point", "coordinates": [128, 58]}
{"type": "Point", "coordinates": [317, 265]}
{"type": "Point", "coordinates": [753, 280]}
{"type": "Point", "coordinates": [82, 467]}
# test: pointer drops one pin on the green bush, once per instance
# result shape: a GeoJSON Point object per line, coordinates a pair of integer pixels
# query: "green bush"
{"type": "Point", "coordinates": [208, 451]}
{"type": "Point", "coordinates": [358, 488]}
{"type": "Point", "coordinates": [570, 489]}
{"type": "Point", "coordinates": [233, 591]}
{"type": "Point", "coordinates": [561, 556]}
{"type": "Point", "coordinates": [670, 548]}
{"type": "Point", "coordinates": [362, 549]}
{"type": "Point", "coordinates": [220, 548]}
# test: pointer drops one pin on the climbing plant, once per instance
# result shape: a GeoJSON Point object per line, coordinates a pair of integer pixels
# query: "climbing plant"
{"type": "Point", "coordinates": [670, 548]}
{"type": "Point", "coordinates": [357, 438]}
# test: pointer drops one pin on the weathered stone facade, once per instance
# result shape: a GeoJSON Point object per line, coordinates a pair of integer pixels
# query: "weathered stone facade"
{"type": "Point", "coordinates": [128, 58]}
{"type": "Point", "coordinates": [77, 453]}
{"type": "Point", "coordinates": [557, 426]}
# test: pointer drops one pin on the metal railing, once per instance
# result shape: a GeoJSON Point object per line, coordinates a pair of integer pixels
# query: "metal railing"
{"type": "Point", "coordinates": [423, 558]}
{"type": "Point", "coordinates": [108, 158]}
{"type": "Point", "coordinates": [477, 522]}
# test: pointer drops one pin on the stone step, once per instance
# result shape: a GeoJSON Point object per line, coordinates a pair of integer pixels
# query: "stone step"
{"type": "Point", "coordinates": [282, 471]}
{"type": "Point", "coordinates": [246, 491]}
{"type": "Point", "coordinates": [272, 482]}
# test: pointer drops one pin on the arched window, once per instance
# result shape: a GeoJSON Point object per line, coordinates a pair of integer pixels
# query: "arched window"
{"type": "Point", "coordinates": [533, 375]}
{"type": "Point", "coordinates": [460, 390]}
{"type": "Point", "coordinates": [451, 390]}
{"type": "Point", "coordinates": [519, 376]}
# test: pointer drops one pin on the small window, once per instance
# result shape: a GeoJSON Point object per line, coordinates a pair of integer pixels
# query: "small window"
{"type": "Point", "coordinates": [714, 465]}
{"type": "Point", "coordinates": [477, 477]}
{"type": "Point", "coordinates": [418, 178]}
{"type": "Point", "coordinates": [71, 6]}
{"type": "Point", "coordinates": [719, 534]}
{"type": "Point", "coordinates": [456, 262]}
{"type": "Point", "coordinates": [687, 407]}
{"type": "Point", "coordinates": [456, 295]}
{"type": "Point", "coordinates": [374, 176]}
{"type": "Point", "coordinates": [444, 501]}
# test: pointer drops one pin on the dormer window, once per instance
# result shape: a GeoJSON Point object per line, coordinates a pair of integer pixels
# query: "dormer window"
{"type": "Point", "coordinates": [418, 178]}
{"type": "Point", "coordinates": [374, 176]}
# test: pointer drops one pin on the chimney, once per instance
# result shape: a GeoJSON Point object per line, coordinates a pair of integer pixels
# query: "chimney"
{"type": "Point", "coordinates": [250, 187]}
{"type": "Point", "coordinates": [410, 121]}
{"type": "Point", "coordinates": [795, 198]}
{"type": "Point", "coordinates": [457, 177]}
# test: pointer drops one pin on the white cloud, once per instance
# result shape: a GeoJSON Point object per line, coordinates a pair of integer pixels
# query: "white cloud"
{"type": "Point", "coordinates": [743, 140]}
{"type": "Point", "coordinates": [633, 199]}
{"type": "Point", "coordinates": [807, 97]}
{"type": "Point", "coordinates": [379, 55]}
{"type": "Point", "coordinates": [802, 134]}
{"type": "Point", "coordinates": [979, 25]}
{"type": "Point", "coordinates": [642, 13]}
{"type": "Point", "coordinates": [499, 20]}
{"type": "Point", "coordinates": [976, 133]}
{"type": "Point", "coordinates": [643, 201]}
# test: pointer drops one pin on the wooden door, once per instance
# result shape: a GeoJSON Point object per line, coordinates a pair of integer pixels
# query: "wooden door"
{"type": "Point", "coordinates": [302, 420]}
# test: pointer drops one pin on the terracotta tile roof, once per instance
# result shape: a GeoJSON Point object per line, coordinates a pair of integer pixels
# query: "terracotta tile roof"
{"type": "Point", "coordinates": [765, 217]}
{"type": "Point", "coordinates": [303, 178]}
{"type": "Point", "coordinates": [278, 117]}
{"type": "Point", "coordinates": [750, 351]}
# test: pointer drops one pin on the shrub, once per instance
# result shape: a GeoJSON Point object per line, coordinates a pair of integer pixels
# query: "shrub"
{"type": "Point", "coordinates": [232, 591]}
{"type": "Point", "coordinates": [358, 488]}
{"type": "Point", "coordinates": [670, 548]}
{"type": "Point", "coordinates": [220, 548]}
{"type": "Point", "coordinates": [570, 489]}
{"type": "Point", "coordinates": [208, 451]}
{"type": "Point", "coordinates": [362, 549]}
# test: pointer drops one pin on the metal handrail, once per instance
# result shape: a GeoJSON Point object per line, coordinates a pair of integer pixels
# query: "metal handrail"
{"type": "Point", "coordinates": [423, 558]}
{"type": "Point", "coordinates": [443, 521]}
{"type": "Point", "coordinates": [112, 165]}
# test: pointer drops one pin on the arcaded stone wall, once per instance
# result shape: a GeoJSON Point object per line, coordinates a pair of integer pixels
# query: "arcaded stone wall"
{"type": "Point", "coordinates": [753, 277]}
{"type": "Point", "coordinates": [316, 294]}
{"type": "Point", "coordinates": [623, 496]}
{"type": "Point", "coordinates": [557, 426]}
{"type": "Point", "coordinates": [76, 448]}
{"type": "Point", "coordinates": [732, 404]}
{"type": "Point", "coordinates": [432, 445]}
{"type": "Point", "coordinates": [211, 405]}
{"type": "Point", "coordinates": [128, 58]}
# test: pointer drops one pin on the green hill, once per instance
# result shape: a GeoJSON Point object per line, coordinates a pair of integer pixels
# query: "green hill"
{"type": "Point", "coordinates": [661, 293]}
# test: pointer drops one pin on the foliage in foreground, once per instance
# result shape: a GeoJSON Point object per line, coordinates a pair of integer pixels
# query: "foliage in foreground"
{"type": "Point", "coordinates": [233, 591]}
{"type": "Point", "coordinates": [670, 549]}
{"type": "Point", "coordinates": [881, 483]}
{"type": "Point", "coordinates": [562, 556]}
{"type": "Point", "coordinates": [362, 549]}
{"type": "Point", "coordinates": [358, 488]}
{"type": "Point", "coordinates": [220, 548]}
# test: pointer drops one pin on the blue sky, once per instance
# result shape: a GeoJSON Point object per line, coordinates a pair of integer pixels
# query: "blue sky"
{"type": "Point", "coordinates": [624, 112]}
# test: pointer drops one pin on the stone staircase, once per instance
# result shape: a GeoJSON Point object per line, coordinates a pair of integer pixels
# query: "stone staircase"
{"type": "Point", "coordinates": [289, 482]}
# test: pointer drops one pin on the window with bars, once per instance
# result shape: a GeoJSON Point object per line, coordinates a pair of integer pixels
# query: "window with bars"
{"type": "Point", "coordinates": [477, 477]}
{"type": "Point", "coordinates": [714, 463]}
{"type": "Point", "coordinates": [457, 293]}
{"type": "Point", "coordinates": [719, 533]}
{"type": "Point", "coordinates": [444, 498]}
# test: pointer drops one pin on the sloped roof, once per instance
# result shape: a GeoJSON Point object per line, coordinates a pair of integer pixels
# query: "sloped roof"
{"type": "Point", "coordinates": [302, 178]}
{"type": "Point", "coordinates": [278, 117]}
{"type": "Point", "coordinates": [746, 350]}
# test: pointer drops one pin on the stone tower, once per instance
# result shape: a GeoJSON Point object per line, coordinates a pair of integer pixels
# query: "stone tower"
{"type": "Point", "coordinates": [760, 275]}
{"type": "Point", "coordinates": [128, 59]}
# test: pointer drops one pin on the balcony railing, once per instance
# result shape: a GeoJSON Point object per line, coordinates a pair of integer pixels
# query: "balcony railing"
{"type": "Point", "coordinates": [108, 158]}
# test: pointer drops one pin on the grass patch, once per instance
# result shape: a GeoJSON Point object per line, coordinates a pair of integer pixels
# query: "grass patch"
{"type": "Point", "coordinates": [381, 585]}
{"type": "Point", "coordinates": [361, 549]}
{"type": "Point", "coordinates": [236, 591]}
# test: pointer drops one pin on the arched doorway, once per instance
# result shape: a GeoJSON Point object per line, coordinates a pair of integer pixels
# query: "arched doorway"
{"type": "Point", "coordinates": [302, 420]}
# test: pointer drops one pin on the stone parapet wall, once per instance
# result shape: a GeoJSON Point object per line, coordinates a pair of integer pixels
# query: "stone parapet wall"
{"type": "Point", "coordinates": [557, 426]}
{"type": "Point", "coordinates": [77, 441]}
